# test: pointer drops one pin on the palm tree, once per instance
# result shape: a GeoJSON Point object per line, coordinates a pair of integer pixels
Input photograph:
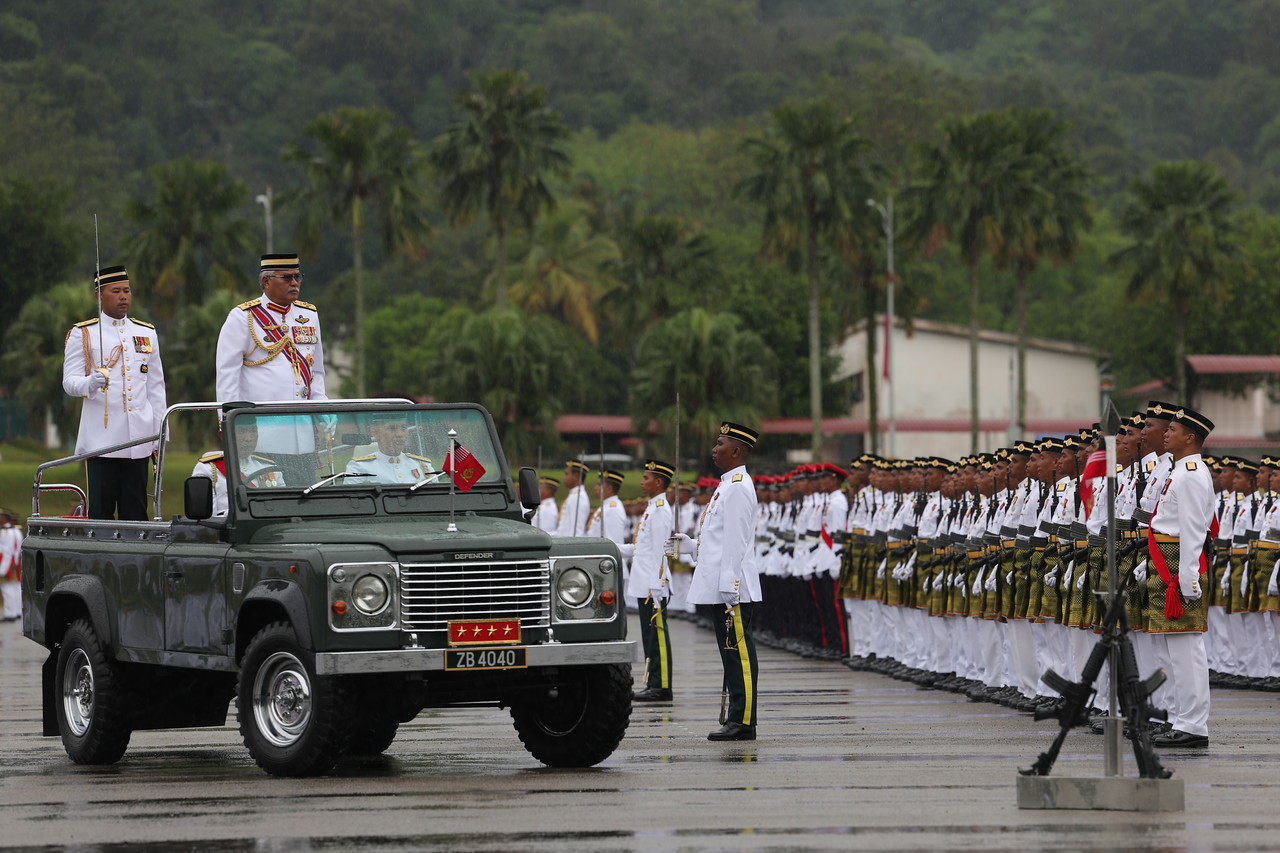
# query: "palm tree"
{"type": "Point", "coordinates": [665, 265]}
{"type": "Point", "coordinates": [497, 161]}
{"type": "Point", "coordinates": [517, 367]}
{"type": "Point", "coordinates": [1183, 244]}
{"type": "Point", "coordinates": [720, 370]}
{"type": "Point", "coordinates": [967, 183]}
{"type": "Point", "coordinates": [366, 166]}
{"type": "Point", "coordinates": [1046, 223]}
{"type": "Point", "coordinates": [809, 183]}
{"type": "Point", "coordinates": [190, 237]}
{"type": "Point", "coordinates": [31, 364]}
{"type": "Point", "coordinates": [565, 272]}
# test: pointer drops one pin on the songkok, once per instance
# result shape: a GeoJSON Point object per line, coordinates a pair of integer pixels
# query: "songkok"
{"type": "Point", "coordinates": [746, 435]}
{"type": "Point", "coordinates": [664, 468]}
{"type": "Point", "coordinates": [273, 263]}
{"type": "Point", "coordinates": [110, 275]}
{"type": "Point", "coordinates": [1195, 422]}
{"type": "Point", "coordinates": [615, 477]}
{"type": "Point", "coordinates": [549, 481]}
{"type": "Point", "coordinates": [1161, 411]}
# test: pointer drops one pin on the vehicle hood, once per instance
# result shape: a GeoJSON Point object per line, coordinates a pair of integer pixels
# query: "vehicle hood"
{"type": "Point", "coordinates": [409, 535]}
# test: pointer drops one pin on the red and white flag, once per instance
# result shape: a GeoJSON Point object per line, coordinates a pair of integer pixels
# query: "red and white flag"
{"type": "Point", "coordinates": [1093, 469]}
{"type": "Point", "coordinates": [468, 470]}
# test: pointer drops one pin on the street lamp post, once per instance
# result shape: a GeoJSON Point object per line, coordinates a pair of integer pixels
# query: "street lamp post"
{"type": "Point", "coordinates": [886, 214]}
{"type": "Point", "coordinates": [264, 199]}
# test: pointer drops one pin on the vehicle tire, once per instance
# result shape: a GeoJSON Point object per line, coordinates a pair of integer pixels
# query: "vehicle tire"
{"type": "Point", "coordinates": [93, 705]}
{"type": "Point", "coordinates": [584, 723]}
{"type": "Point", "coordinates": [372, 733]}
{"type": "Point", "coordinates": [291, 721]}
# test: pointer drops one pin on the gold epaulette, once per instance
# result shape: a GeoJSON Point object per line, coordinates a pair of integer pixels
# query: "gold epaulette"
{"type": "Point", "coordinates": [252, 303]}
{"type": "Point", "coordinates": [211, 456]}
{"type": "Point", "coordinates": [737, 478]}
{"type": "Point", "coordinates": [660, 502]}
{"type": "Point", "coordinates": [306, 305]}
{"type": "Point", "coordinates": [143, 323]}
{"type": "Point", "coordinates": [371, 456]}
{"type": "Point", "coordinates": [87, 322]}
{"type": "Point", "coordinates": [419, 458]}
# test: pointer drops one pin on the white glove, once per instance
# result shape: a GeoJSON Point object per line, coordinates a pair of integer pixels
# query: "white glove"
{"type": "Point", "coordinates": [1224, 585]}
{"type": "Point", "coordinates": [679, 543]}
{"type": "Point", "coordinates": [660, 593]}
{"type": "Point", "coordinates": [927, 584]}
{"type": "Point", "coordinates": [900, 572]}
{"type": "Point", "coordinates": [97, 380]}
{"type": "Point", "coordinates": [1080, 580]}
{"type": "Point", "coordinates": [1008, 578]}
{"type": "Point", "coordinates": [1244, 582]}
{"type": "Point", "coordinates": [729, 599]}
{"type": "Point", "coordinates": [880, 568]}
{"type": "Point", "coordinates": [1273, 588]}
{"type": "Point", "coordinates": [1051, 579]}
{"type": "Point", "coordinates": [1140, 572]}
{"type": "Point", "coordinates": [977, 584]}
{"type": "Point", "coordinates": [991, 579]}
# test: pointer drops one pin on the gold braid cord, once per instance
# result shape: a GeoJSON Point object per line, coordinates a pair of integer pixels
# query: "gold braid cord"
{"type": "Point", "coordinates": [272, 350]}
{"type": "Point", "coordinates": [107, 363]}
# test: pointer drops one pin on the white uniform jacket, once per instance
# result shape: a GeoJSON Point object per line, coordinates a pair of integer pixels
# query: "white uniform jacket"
{"type": "Point", "coordinates": [134, 396]}
{"type": "Point", "coordinates": [725, 561]}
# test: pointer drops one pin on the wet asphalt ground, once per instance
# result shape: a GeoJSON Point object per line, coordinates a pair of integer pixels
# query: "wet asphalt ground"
{"type": "Point", "coordinates": [845, 761]}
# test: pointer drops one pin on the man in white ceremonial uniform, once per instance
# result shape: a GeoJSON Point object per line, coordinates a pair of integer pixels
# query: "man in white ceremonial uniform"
{"type": "Point", "coordinates": [390, 464]}
{"type": "Point", "coordinates": [113, 362]}
{"type": "Point", "coordinates": [213, 465]}
{"type": "Point", "coordinates": [10, 565]}
{"type": "Point", "coordinates": [609, 520]}
{"type": "Point", "coordinates": [650, 580]}
{"type": "Point", "coordinates": [725, 573]}
{"type": "Point", "coordinates": [575, 512]}
{"type": "Point", "coordinates": [547, 516]}
{"type": "Point", "coordinates": [270, 350]}
{"type": "Point", "coordinates": [1178, 619]}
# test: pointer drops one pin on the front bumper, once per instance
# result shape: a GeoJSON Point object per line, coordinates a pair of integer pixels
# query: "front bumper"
{"type": "Point", "coordinates": [426, 660]}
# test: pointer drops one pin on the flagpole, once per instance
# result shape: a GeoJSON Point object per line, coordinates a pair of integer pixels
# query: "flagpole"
{"type": "Point", "coordinates": [452, 469]}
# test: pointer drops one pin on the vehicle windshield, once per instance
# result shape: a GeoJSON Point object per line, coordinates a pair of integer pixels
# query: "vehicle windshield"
{"type": "Point", "coordinates": [361, 448]}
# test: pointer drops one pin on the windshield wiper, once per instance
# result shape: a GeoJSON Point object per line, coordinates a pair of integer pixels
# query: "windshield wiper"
{"type": "Point", "coordinates": [430, 478]}
{"type": "Point", "coordinates": [309, 489]}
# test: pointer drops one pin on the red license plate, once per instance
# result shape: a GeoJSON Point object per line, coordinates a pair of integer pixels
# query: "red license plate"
{"type": "Point", "coordinates": [486, 632]}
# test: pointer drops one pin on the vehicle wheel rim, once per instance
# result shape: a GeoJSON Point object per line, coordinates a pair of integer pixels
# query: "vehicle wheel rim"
{"type": "Point", "coordinates": [282, 699]}
{"type": "Point", "coordinates": [562, 717]}
{"type": "Point", "coordinates": [77, 692]}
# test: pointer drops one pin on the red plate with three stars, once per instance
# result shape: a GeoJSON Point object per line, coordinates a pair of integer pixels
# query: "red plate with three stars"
{"type": "Point", "coordinates": [495, 635]}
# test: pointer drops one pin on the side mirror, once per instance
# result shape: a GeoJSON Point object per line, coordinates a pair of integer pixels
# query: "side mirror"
{"type": "Point", "coordinates": [197, 498]}
{"type": "Point", "coordinates": [530, 495]}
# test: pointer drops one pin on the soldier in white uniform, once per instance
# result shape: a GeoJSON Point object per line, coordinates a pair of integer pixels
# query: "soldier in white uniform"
{"type": "Point", "coordinates": [725, 574]}
{"type": "Point", "coordinates": [390, 464]}
{"type": "Point", "coordinates": [113, 362]}
{"type": "Point", "coordinates": [214, 466]}
{"type": "Point", "coordinates": [650, 580]}
{"type": "Point", "coordinates": [270, 350]}
{"type": "Point", "coordinates": [546, 516]}
{"type": "Point", "coordinates": [576, 509]}
{"type": "Point", "coordinates": [1175, 588]}
{"type": "Point", "coordinates": [610, 518]}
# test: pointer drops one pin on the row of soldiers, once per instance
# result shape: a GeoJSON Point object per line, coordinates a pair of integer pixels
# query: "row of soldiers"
{"type": "Point", "coordinates": [980, 574]}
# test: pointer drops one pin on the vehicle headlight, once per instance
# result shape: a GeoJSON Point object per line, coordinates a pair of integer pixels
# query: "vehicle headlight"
{"type": "Point", "coordinates": [370, 594]}
{"type": "Point", "coordinates": [573, 587]}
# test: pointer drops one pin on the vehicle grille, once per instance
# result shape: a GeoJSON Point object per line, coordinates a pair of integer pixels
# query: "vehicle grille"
{"type": "Point", "coordinates": [433, 594]}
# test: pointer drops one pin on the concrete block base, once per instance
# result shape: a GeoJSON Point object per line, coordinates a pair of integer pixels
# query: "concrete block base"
{"type": "Point", "coordinates": [1112, 793]}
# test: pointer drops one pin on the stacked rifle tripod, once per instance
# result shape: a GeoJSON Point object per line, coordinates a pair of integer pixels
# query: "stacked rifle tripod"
{"type": "Point", "coordinates": [1152, 789]}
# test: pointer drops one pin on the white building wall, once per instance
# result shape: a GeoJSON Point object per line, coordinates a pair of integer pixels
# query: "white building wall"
{"type": "Point", "coordinates": [931, 380]}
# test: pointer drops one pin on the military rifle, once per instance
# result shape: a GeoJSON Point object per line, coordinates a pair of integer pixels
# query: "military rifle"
{"type": "Point", "coordinates": [1134, 692]}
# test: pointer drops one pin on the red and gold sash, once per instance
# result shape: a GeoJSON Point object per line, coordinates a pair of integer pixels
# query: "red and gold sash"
{"type": "Point", "coordinates": [279, 342]}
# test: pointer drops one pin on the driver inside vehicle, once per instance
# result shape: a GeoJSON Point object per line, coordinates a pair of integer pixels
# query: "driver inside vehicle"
{"type": "Point", "coordinates": [256, 471]}
{"type": "Point", "coordinates": [390, 463]}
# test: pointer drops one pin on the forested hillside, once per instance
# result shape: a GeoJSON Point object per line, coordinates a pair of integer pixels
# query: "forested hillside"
{"type": "Point", "coordinates": [689, 176]}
